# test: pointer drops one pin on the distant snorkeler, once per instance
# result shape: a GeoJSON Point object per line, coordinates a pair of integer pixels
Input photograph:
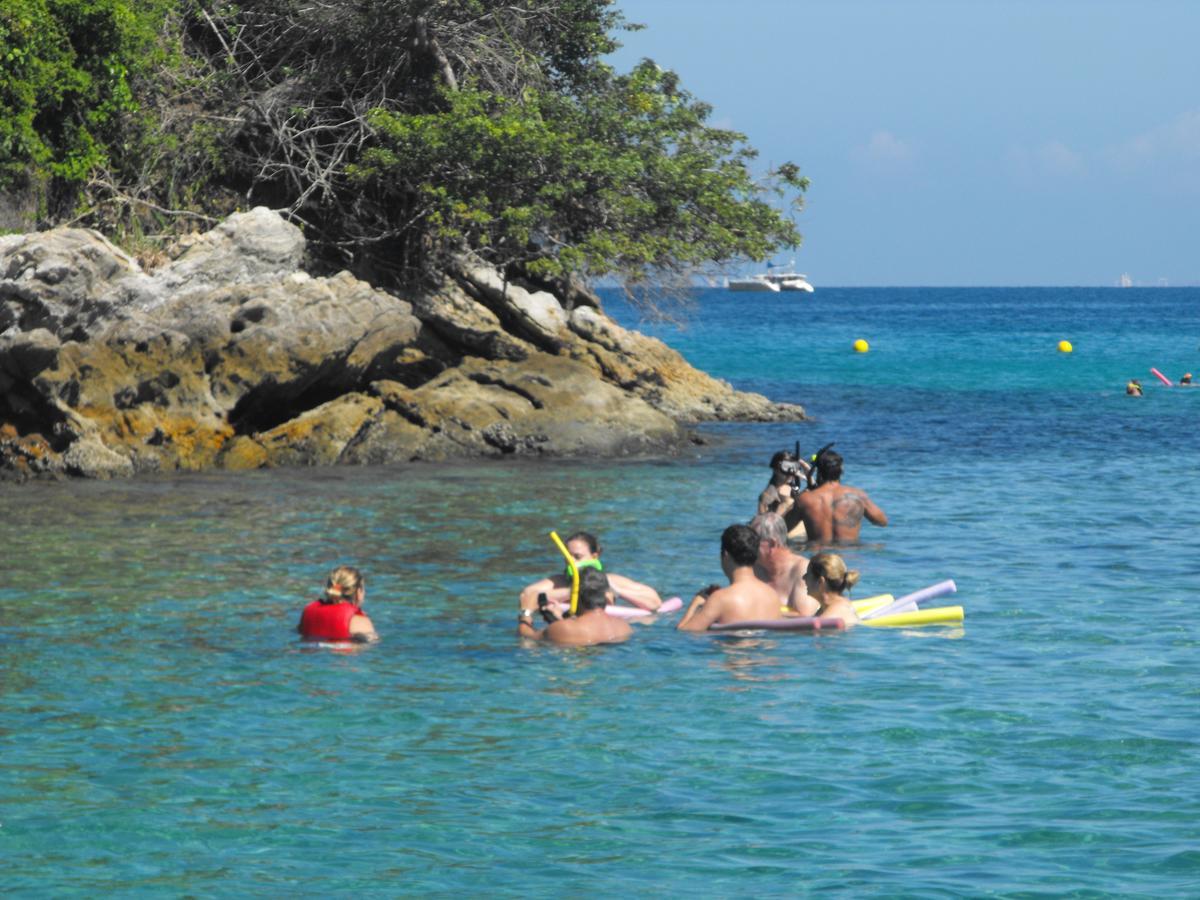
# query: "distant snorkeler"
{"type": "Point", "coordinates": [590, 624]}
{"type": "Point", "coordinates": [1186, 380]}
{"type": "Point", "coordinates": [338, 615]}
{"type": "Point", "coordinates": [1133, 388]}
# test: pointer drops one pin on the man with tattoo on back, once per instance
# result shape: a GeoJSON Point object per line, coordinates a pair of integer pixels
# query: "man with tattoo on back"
{"type": "Point", "coordinates": [833, 512]}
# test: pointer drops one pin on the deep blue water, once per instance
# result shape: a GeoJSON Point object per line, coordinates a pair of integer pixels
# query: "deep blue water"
{"type": "Point", "coordinates": [162, 732]}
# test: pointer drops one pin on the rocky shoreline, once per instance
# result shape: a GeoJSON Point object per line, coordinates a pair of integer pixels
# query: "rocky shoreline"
{"type": "Point", "coordinates": [232, 356]}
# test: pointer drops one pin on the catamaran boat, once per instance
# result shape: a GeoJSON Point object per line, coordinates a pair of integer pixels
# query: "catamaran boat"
{"type": "Point", "coordinates": [753, 283]}
{"type": "Point", "coordinates": [772, 281]}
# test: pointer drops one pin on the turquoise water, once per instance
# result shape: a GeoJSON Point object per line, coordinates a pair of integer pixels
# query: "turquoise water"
{"type": "Point", "coordinates": [162, 732]}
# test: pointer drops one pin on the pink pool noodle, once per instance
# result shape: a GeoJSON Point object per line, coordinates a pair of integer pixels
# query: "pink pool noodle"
{"type": "Point", "coordinates": [634, 612]}
{"type": "Point", "coordinates": [909, 602]}
{"type": "Point", "coordinates": [1161, 377]}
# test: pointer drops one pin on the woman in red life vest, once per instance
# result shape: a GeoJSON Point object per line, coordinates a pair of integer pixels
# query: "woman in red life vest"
{"type": "Point", "coordinates": [338, 616]}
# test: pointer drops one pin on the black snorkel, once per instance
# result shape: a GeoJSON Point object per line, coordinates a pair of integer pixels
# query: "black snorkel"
{"type": "Point", "coordinates": [816, 460]}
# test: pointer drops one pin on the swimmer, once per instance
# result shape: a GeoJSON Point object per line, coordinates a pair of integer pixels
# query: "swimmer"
{"type": "Point", "coordinates": [787, 471]}
{"type": "Point", "coordinates": [338, 615]}
{"type": "Point", "coordinates": [585, 550]}
{"type": "Point", "coordinates": [779, 567]}
{"type": "Point", "coordinates": [591, 625]}
{"type": "Point", "coordinates": [828, 581]}
{"type": "Point", "coordinates": [1134, 388]}
{"type": "Point", "coordinates": [1186, 380]}
{"type": "Point", "coordinates": [746, 597]}
{"type": "Point", "coordinates": [833, 512]}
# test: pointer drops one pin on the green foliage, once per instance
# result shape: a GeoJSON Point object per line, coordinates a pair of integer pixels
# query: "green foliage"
{"type": "Point", "coordinates": [398, 132]}
{"type": "Point", "coordinates": [67, 83]}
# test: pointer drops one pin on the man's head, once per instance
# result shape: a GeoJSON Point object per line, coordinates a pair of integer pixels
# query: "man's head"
{"type": "Point", "coordinates": [829, 466]}
{"type": "Point", "coordinates": [771, 529]}
{"type": "Point", "coordinates": [1186, 379]}
{"type": "Point", "coordinates": [593, 589]}
{"type": "Point", "coordinates": [740, 542]}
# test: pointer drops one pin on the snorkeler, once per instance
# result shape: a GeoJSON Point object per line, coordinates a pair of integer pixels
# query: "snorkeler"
{"type": "Point", "coordinates": [833, 512]}
{"type": "Point", "coordinates": [338, 615]}
{"type": "Point", "coordinates": [585, 550]}
{"type": "Point", "coordinates": [788, 476]}
{"type": "Point", "coordinates": [1134, 388]}
{"type": "Point", "coordinates": [780, 567]}
{"type": "Point", "coordinates": [590, 625]}
{"type": "Point", "coordinates": [746, 596]}
{"type": "Point", "coordinates": [828, 581]}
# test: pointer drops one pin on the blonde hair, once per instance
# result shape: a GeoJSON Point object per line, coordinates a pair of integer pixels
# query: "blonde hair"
{"type": "Point", "coordinates": [832, 568]}
{"type": "Point", "coordinates": [342, 584]}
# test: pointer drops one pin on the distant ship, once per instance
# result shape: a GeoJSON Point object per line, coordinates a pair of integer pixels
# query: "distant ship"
{"type": "Point", "coordinates": [771, 281]}
{"type": "Point", "coordinates": [1124, 280]}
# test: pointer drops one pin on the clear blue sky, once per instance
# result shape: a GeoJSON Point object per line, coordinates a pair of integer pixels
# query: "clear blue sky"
{"type": "Point", "coordinates": [960, 142]}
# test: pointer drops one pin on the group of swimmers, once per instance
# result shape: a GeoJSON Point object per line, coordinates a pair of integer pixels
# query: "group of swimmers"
{"type": "Point", "coordinates": [1134, 386]}
{"type": "Point", "coordinates": [804, 501]}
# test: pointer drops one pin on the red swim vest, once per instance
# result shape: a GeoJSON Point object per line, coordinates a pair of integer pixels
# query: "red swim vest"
{"type": "Point", "coordinates": [328, 621]}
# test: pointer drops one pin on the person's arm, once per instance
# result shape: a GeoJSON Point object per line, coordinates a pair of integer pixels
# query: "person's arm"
{"type": "Point", "coordinates": [361, 629]}
{"type": "Point", "coordinates": [700, 608]}
{"type": "Point", "coordinates": [874, 514]}
{"type": "Point", "coordinates": [525, 629]}
{"type": "Point", "coordinates": [552, 587]}
{"type": "Point", "coordinates": [704, 615]}
{"type": "Point", "coordinates": [641, 595]}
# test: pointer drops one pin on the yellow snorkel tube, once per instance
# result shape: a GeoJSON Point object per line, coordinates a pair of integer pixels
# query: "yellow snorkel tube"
{"type": "Point", "coordinates": [562, 548]}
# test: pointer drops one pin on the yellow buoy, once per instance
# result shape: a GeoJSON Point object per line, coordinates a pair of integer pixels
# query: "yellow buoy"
{"type": "Point", "coordinates": [1065, 347]}
{"type": "Point", "coordinates": [861, 346]}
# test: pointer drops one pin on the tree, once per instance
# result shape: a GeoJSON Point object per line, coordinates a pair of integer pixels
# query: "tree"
{"type": "Point", "coordinates": [402, 133]}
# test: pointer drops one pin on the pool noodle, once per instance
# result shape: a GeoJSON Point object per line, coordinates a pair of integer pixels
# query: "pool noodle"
{"type": "Point", "coordinates": [636, 612]}
{"type": "Point", "coordinates": [909, 601]}
{"type": "Point", "coordinates": [1161, 377]}
{"type": "Point", "coordinates": [940, 615]}
{"type": "Point", "coordinates": [796, 623]}
{"type": "Point", "coordinates": [670, 605]}
{"type": "Point", "coordinates": [869, 603]}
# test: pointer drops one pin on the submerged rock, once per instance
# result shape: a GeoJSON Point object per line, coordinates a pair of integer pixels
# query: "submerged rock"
{"type": "Point", "coordinates": [231, 356]}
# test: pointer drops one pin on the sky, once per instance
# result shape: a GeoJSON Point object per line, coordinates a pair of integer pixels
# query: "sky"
{"type": "Point", "coordinates": [959, 142]}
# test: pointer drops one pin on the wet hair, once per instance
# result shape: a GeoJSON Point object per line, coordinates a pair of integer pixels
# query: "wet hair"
{"type": "Point", "coordinates": [829, 466]}
{"type": "Point", "coordinates": [589, 539]}
{"type": "Point", "coordinates": [342, 584]}
{"type": "Point", "coordinates": [832, 568]}
{"type": "Point", "coordinates": [593, 589]}
{"type": "Point", "coordinates": [741, 543]}
{"type": "Point", "coordinates": [770, 527]}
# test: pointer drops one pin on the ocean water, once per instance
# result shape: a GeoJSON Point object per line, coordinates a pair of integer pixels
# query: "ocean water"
{"type": "Point", "coordinates": [163, 733]}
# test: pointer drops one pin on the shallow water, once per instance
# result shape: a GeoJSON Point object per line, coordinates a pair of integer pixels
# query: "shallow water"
{"type": "Point", "coordinates": [163, 732]}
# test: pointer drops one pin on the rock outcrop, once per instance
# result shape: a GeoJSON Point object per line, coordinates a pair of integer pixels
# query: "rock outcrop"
{"type": "Point", "coordinates": [231, 356]}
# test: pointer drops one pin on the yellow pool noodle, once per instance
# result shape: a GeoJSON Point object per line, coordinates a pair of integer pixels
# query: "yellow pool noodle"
{"type": "Point", "coordinates": [870, 603]}
{"type": "Point", "coordinates": [562, 548]}
{"type": "Point", "coordinates": [940, 615]}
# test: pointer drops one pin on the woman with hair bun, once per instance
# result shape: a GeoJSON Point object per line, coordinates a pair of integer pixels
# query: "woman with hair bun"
{"type": "Point", "coordinates": [828, 581]}
{"type": "Point", "coordinates": [338, 615]}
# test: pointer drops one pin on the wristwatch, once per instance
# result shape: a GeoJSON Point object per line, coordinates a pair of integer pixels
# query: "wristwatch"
{"type": "Point", "coordinates": [526, 615]}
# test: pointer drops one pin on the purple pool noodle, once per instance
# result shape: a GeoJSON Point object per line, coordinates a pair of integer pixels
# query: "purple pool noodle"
{"type": "Point", "coordinates": [909, 602]}
{"type": "Point", "coordinates": [796, 623]}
